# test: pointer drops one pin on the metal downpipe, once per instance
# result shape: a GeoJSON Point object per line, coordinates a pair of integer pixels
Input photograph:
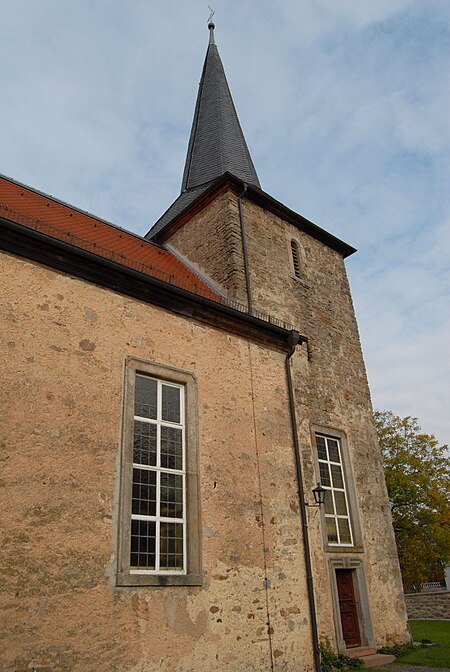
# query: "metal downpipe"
{"type": "Point", "coordinates": [294, 340]}
{"type": "Point", "coordinates": [244, 250]}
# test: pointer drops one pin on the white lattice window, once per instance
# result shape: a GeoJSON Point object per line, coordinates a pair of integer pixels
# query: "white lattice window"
{"type": "Point", "coordinates": [337, 518]}
{"type": "Point", "coordinates": [158, 501]}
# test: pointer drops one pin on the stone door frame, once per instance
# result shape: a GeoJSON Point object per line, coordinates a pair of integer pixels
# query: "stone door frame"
{"type": "Point", "coordinates": [361, 598]}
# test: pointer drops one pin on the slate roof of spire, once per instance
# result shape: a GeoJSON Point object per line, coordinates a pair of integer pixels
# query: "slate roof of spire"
{"type": "Point", "coordinates": [217, 154]}
{"type": "Point", "coordinates": [216, 144]}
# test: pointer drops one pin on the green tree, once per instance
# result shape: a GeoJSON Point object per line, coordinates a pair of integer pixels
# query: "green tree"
{"type": "Point", "coordinates": [417, 474]}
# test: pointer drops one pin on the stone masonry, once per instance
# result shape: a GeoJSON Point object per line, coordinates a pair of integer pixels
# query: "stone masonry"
{"type": "Point", "coordinates": [218, 256]}
{"type": "Point", "coordinates": [65, 342]}
{"type": "Point", "coordinates": [435, 605]}
{"type": "Point", "coordinates": [331, 390]}
{"type": "Point", "coordinates": [90, 505]}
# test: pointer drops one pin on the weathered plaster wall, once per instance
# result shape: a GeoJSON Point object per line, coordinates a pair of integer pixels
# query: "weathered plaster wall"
{"type": "Point", "coordinates": [331, 391]}
{"type": "Point", "coordinates": [64, 341]}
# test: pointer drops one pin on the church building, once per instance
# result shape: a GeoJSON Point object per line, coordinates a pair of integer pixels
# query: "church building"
{"type": "Point", "coordinates": [173, 407]}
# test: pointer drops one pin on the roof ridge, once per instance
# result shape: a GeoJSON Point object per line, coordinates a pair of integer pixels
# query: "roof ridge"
{"type": "Point", "coordinates": [196, 272]}
{"type": "Point", "coordinates": [86, 213]}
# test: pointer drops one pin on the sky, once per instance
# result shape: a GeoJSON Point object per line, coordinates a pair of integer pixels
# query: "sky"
{"type": "Point", "coordinates": [345, 108]}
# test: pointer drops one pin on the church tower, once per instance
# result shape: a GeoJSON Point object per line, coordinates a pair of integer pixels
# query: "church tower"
{"type": "Point", "coordinates": [269, 259]}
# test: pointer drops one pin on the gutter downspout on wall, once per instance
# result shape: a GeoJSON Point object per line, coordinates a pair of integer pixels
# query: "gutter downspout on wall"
{"type": "Point", "coordinates": [294, 340]}
{"type": "Point", "coordinates": [244, 250]}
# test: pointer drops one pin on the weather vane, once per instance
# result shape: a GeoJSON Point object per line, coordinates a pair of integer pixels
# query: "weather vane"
{"type": "Point", "coordinates": [213, 11]}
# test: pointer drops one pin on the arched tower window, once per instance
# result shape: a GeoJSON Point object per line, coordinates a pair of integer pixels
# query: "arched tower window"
{"type": "Point", "coordinates": [295, 258]}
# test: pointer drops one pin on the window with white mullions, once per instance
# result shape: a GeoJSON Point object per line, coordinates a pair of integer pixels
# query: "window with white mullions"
{"type": "Point", "coordinates": [158, 500]}
{"type": "Point", "coordinates": [337, 518]}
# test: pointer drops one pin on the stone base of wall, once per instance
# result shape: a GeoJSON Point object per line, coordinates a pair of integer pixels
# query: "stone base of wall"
{"type": "Point", "coordinates": [435, 605]}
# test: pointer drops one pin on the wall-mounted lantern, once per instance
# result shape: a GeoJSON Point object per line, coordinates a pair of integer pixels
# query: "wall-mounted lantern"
{"type": "Point", "coordinates": [319, 493]}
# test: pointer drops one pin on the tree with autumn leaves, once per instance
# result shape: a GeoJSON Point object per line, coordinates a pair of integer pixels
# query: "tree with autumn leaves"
{"type": "Point", "coordinates": [417, 471]}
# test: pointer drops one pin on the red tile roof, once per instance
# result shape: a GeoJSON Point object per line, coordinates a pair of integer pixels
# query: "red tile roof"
{"type": "Point", "coordinates": [59, 220]}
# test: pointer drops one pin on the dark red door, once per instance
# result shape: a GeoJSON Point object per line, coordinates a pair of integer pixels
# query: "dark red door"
{"type": "Point", "coordinates": [347, 607]}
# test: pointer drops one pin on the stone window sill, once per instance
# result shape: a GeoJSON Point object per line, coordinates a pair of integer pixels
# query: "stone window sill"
{"type": "Point", "coordinates": [339, 550]}
{"type": "Point", "coordinates": [158, 580]}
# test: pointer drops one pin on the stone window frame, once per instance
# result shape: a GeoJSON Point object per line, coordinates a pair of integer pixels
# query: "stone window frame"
{"type": "Point", "coordinates": [361, 597]}
{"type": "Point", "coordinates": [352, 500]}
{"type": "Point", "coordinates": [193, 576]}
{"type": "Point", "coordinates": [299, 275]}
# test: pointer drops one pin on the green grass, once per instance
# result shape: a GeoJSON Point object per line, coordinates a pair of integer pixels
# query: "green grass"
{"type": "Point", "coordinates": [431, 656]}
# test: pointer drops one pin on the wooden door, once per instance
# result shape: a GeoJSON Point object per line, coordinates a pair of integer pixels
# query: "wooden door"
{"type": "Point", "coordinates": [347, 607]}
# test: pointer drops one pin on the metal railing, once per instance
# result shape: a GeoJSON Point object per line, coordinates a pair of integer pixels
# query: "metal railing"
{"type": "Point", "coordinates": [139, 266]}
{"type": "Point", "coordinates": [429, 586]}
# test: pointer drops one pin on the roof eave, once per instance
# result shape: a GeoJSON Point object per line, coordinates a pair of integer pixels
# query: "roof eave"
{"type": "Point", "coordinates": [259, 197]}
{"type": "Point", "coordinates": [59, 255]}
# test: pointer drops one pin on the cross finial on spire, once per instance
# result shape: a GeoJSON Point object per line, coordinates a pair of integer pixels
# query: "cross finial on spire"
{"type": "Point", "coordinates": [211, 25]}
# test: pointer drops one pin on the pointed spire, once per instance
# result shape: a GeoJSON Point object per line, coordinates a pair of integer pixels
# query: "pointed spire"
{"type": "Point", "coordinates": [216, 144]}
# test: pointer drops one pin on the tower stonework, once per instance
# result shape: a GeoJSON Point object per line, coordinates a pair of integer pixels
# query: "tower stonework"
{"type": "Point", "coordinates": [331, 390]}
{"type": "Point", "coordinates": [211, 239]}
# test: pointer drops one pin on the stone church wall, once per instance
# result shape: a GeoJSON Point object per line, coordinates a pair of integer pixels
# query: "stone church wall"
{"type": "Point", "coordinates": [332, 394]}
{"type": "Point", "coordinates": [65, 342]}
